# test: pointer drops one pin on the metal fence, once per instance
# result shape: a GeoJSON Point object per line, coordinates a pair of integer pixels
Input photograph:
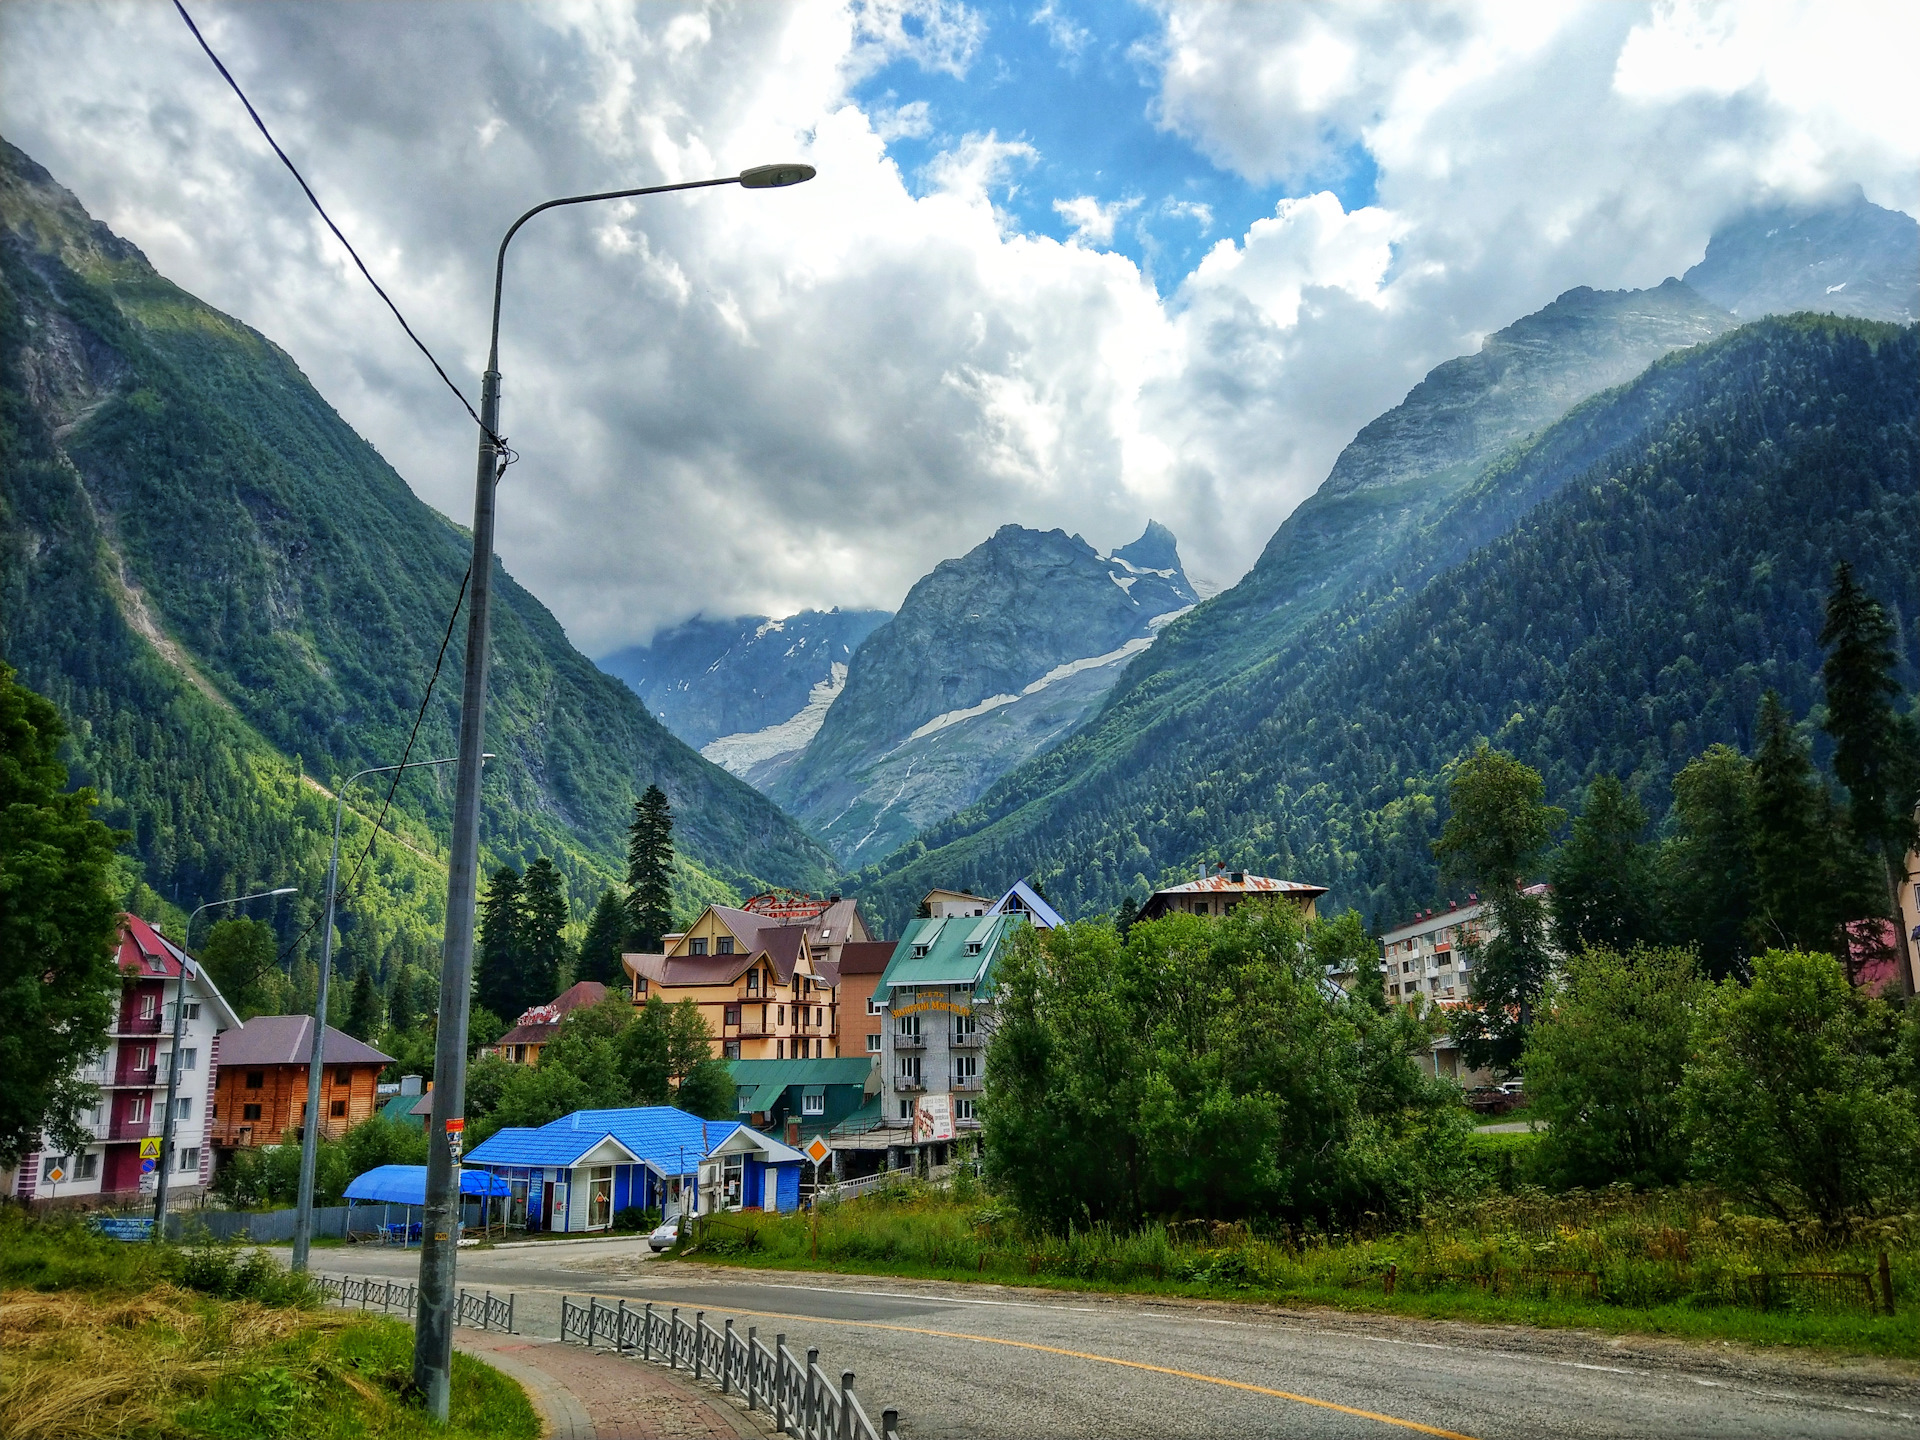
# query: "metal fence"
{"type": "Point", "coordinates": [802, 1398]}
{"type": "Point", "coordinates": [477, 1310]}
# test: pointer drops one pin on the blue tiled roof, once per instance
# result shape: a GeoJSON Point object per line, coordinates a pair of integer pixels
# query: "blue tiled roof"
{"type": "Point", "coordinates": [545, 1146]}
{"type": "Point", "coordinates": [659, 1134]}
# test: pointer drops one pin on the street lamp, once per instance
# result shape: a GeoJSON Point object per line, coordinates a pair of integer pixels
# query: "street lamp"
{"type": "Point", "coordinates": [173, 1062]}
{"type": "Point", "coordinates": [433, 1335]}
{"type": "Point", "coordinates": [310, 1123]}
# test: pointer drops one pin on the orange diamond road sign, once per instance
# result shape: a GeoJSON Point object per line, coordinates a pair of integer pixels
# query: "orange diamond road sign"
{"type": "Point", "coordinates": [818, 1151]}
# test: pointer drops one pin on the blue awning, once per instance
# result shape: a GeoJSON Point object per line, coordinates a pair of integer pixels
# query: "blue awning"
{"type": "Point", "coordinates": [407, 1184]}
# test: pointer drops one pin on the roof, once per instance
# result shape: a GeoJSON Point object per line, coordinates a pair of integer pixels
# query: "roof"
{"type": "Point", "coordinates": [1024, 897]}
{"type": "Point", "coordinates": [865, 957]}
{"type": "Point", "coordinates": [581, 995]}
{"type": "Point", "coordinates": [145, 951]}
{"type": "Point", "coordinates": [1433, 920]}
{"type": "Point", "coordinates": [407, 1184]}
{"type": "Point", "coordinates": [782, 943]}
{"type": "Point", "coordinates": [288, 1040]}
{"type": "Point", "coordinates": [1245, 885]}
{"type": "Point", "coordinates": [399, 1109]}
{"type": "Point", "coordinates": [947, 941]}
{"type": "Point", "coordinates": [518, 1145]}
{"type": "Point", "coordinates": [528, 1035]}
{"type": "Point", "coordinates": [862, 1120]}
{"type": "Point", "coordinates": [739, 1138]}
{"type": "Point", "coordinates": [768, 1078]}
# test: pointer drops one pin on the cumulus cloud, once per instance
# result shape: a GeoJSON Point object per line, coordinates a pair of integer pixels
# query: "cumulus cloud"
{"type": "Point", "coordinates": [759, 401]}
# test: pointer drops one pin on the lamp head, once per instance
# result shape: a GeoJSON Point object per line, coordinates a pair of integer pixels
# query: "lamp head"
{"type": "Point", "coordinates": [775, 177]}
{"type": "Point", "coordinates": [284, 890]}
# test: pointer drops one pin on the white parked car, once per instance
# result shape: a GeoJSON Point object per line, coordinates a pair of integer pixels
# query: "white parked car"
{"type": "Point", "coordinates": [1512, 1087]}
{"type": "Point", "coordinates": [664, 1234]}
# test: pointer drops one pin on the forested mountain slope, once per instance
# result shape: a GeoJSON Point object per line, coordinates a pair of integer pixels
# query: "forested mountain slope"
{"type": "Point", "coordinates": [221, 585]}
{"type": "Point", "coordinates": [1681, 536]}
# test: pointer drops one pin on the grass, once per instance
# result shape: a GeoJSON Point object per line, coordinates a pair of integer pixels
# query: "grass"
{"type": "Point", "coordinates": [1677, 1263]}
{"type": "Point", "coordinates": [103, 1340]}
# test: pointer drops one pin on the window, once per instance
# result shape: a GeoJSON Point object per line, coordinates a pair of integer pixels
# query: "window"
{"type": "Point", "coordinates": [149, 1007]}
{"type": "Point", "coordinates": [249, 1112]}
{"type": "Point", "coordinates": [256, 1079]}
{"type": "Point", "coordinates": [639, 985]}
{"type": "Point", "coordinates": [87, 1166]}
{"type": "Point", "coordinates": [731, 1015]}
{"type": "Point", "coordinates": [816, 1048]}
{"type": "Point", "coordinates": [730, 1049]}
{"type": "Point", "coordinates": [193, 1009]}
{"type": "Point", "coordinates": [973, 947]}
{"type": "Point", "coordinates": [342, 1076]}
{"type": "Point", "coordinates": [302, 1117]}
{"type": "Point", "coordinates": [813, 1104]}
{"type": "Point", "coordinates": [907, 1026]}
{"type": "Point", "coordinates": [52, 1165]}
{"type": "Point", "coordinates": [963, 1109]}
{"type": "Point", "coordinates": [137, 1109]}
{"type": "Point", "coordinates": [743, 1098]}
{"type": "Point", "coordinates": [779, 1014]}
{"type": "Point", "coordinates": [906, 1109]}
{"type": "Point", "coordinates": [965, 1028]}
{"type": "Point", "coordinates": [600, 1197]}
{"type": "Point", "coordinates": [142, 1056]}
{"type": "Point", "coordinates": [213, 1111]}
{"type": "Point", "coordinates": [909, 1068]}
{"type": "Point", "coordinates": [779, 1049]}
{"type": "Point", "coordinates": [189, 1059]}
{"type": "Point", "coordinates": [753, 981]}
{"type": "Point", "coordinates": [919, 950]}
{"type": "Point", "coordinates": [873, 1005]}
{"type": "Point", "coordinates": [873, 1044]}
{"type": "Point", "coordinates": [189, 1159]}
{"type": "Point", "coordinates": [724, 946]}
{"type": "Point", "coordinates": [183, 1108]}
{"type": "Point", "coordinates": [699, 945]}
{"type": "Point", "coordinates": [338, 1109]}
{"type": "Point", "coordinates": [966, 1069]}
{"type": "Point", "coordinates": [733, 1170]}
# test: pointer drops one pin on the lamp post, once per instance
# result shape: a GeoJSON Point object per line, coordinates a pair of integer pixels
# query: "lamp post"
{"type": "Point", "coordinates": [173, 1061]}
{"type": "Point", "coordinates": [310, 1123]}
{"type": "Point", "coordinates": [433, 1335]}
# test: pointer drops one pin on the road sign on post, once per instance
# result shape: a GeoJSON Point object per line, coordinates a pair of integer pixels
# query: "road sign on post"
{"type": "Point", "coordinates": [818, 1150]}
{"type": "Point", "coordinates": [150, 1148]}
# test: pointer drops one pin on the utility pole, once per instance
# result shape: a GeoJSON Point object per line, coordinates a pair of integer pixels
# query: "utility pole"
{"type": "Point", "coordinates": [440, 1235]}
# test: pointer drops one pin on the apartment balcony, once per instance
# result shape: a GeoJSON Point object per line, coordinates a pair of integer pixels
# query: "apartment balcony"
{"type": "Point", "coordinates": [967, 1085]}
{"type": "Point", "coordinates": [130, 1130]}
{"type": "Point", "coordinates": [909, 1042]}
{"type": "Point", "coordinates": [137, 1025]}
{"type": "Point", "coordinates": [908, 1082]}
{"type": "Point", "coordinates": [967, 1040]}
{"type": "Point", "coordinates": [132, 1079]}
{"type": "Point", "coordinates": [749, 1030]}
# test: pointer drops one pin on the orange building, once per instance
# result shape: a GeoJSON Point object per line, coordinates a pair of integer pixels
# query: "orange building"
{"type": "Point", "coordinates": [862, 963]}
{"type": "Point", "coordinates": [763, 974]}
{"type": "Point", "coordinates": [262, 1088]}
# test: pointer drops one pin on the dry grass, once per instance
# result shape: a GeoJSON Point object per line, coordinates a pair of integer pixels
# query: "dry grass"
{"type": "Point", "coordinates": [73, 1367]}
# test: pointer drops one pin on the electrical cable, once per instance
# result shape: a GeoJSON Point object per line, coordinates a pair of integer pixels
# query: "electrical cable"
{"type": "Point", "coordinates": [292, 169]}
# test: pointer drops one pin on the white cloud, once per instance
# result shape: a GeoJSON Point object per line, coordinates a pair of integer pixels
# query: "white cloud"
{"type": "Point", "coordinates": [761, 401]}
{"type": "Point", "coordinates": [1062, 33]}
{"type": "Point", "coordinates": [1092, 222]}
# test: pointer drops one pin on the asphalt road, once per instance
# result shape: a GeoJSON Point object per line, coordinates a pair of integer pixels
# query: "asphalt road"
{"type": "Point", "coordinates": [990, 1361]}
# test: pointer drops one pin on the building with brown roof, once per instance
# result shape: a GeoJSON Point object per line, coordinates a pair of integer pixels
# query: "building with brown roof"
{"type": "Point", "coordinates": [538, 1024]}
{"type": "Point", "coordinates": [862, 1016]}
{"type": "Point", "coordinates": [764, 977]}
{"type": "Point", "coordinates": [1220, 893]}
{"type": "Point", "coordinates": [262, 1090]}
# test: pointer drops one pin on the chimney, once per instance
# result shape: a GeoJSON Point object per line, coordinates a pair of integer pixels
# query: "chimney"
{"type": "Point", "coordinates": [409, 1084]}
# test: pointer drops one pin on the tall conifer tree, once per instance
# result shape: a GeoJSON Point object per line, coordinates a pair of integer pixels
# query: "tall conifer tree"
{"type": "Point", "coordinates": [363, 1010]}
{"type": "Point", "coordinates": [1602, 877]}
{"type": "Point", "coordinates": [650, 871]}
{"type": "Point", "coordinates": [502, 945]}
{"type": "Point", "coordinates": [543, 901]}
{"type": "Point", "coordinates": [605, 940]}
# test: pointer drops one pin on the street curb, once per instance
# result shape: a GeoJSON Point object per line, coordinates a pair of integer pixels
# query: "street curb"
{"type": "Point", "coordinates": [562, 1417]}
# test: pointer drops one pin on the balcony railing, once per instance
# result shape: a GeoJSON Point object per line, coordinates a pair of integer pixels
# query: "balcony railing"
{"type": "Point", "coordinates": [902, 1041]}
{"type": "Point", "coordinates": [968, 1083]}
{"type": "Point", "coordinates": [748, 1030]}
{"type": "Point", "coordinates": [136, 1079]}
{"type": "Point", "coordinates": [908, 1082]}
{"type": "Point", "coordinates": [138, 1025]}
{"type": "Point", "coordinates": [968, 1040]}
{"type": "Point", "coordinates": [131, 1130]}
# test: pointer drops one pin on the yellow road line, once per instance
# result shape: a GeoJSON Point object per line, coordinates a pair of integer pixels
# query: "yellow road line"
{"type": "Point", "coordinates": [1393, 1420]}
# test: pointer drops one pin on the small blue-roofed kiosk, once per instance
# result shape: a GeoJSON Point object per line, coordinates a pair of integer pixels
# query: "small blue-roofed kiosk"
{"type": "Point", "coordinates": [406, 1185]}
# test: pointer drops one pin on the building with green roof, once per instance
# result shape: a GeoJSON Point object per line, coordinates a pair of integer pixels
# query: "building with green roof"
{"type": "Point", "coordinates": [812, 1095]}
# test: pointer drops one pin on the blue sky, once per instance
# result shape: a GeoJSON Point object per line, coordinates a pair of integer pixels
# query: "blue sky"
{"type": "Point", "coordinates": [1076, 81]}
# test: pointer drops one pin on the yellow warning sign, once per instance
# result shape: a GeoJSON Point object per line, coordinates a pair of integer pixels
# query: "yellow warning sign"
{"type": "Point", "coordinates": [150, 1149]}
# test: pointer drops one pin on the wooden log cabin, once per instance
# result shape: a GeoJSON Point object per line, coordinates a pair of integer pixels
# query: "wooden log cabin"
{"type": "Point", "coordinates": [262, 1089]}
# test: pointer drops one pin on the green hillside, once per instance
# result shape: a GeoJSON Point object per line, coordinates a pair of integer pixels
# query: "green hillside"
{"type": "Point", "coordinates": [1677, 536]}
{"type": "Point", "coordinates": [225, 588]}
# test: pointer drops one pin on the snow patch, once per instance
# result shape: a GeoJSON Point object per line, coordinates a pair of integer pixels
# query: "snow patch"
{"type": "Point", "coordinates": [738, 754]}
{"type": "Point", "coordinates": [1126, 585]}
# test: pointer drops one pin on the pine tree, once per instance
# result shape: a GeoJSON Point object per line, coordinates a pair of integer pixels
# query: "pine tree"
{"type": "Point", "coordinates": [363, 1011]}
{"type": "Point", "coordinates": [650, 871]}
{"type": "Point", "coordinates": [1705, 868]}
{"type": "Point", "coordinates": [502, 945]}
{"type": "Point", "coordinates": [1603, 876]}
{"type": "Point", "coordinates": [543, 903]}
{"type": "Point", "coordinates": [605, 940]}
{"type": "Point", "coordinates": [400, 1002]}
{"type": "Point", "coordinates": [1874, 746]}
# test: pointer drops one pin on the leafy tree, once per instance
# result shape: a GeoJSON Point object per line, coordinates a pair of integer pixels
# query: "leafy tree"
{"type": "Point", "coordinates": [544, 952]}
{"type": "Point", "coordinates": [1495, 836]}
{"type": "Point", "coordinates": [1203, 1067]}
{"type": "Point", "coordinates": [58, 924]}
{"type": "Point", "coordinates": [1603, 890]}
{"type": "Point", "coordinates": [662, 1048]}
{"type": "Point", "coordinates": [604, 943]}
{"type": "Point", "coordinates": [1876, 750]}
{"type": "Point", "coordinates": [709, 1091]}
{"type": "Point", "coordinates": [503, 948]}
{"type": "Point", "coordinates": [1706, 866]}
{"type": "Point", "coordinates": [1604, 1064]}
{"type": "Point", "coordinates": [1808, 873]}
{"type": "Point", "coordinates": [242, 957]}
{"type": "Point", "coordinates": [650, 871]}
{"type": "Point", "coordinates": [363, 1010]}
{"type": "Point", "coordinates": [1343, 944]}
{"type": "Point", "coordinates": [1800, 1095]}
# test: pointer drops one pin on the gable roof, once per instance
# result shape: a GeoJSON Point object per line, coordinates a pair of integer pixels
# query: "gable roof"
{"type": "Point", "coordinates": [658, 1135]}
{"type": "Point", "coordinates": [288, 1040]}
{"type": "Point", "coordinates": [768, 1078]}
{"type": "Point", "coordinates": [1024, 897]}
{"type": "Point", "coordinates": [865, 957]}
{"type": "Point", "coordinates": [518, 1145]}
{"type": "Point", "coordinates": [947, 942]}
{"type": "Point", "coordinates": [740, 1138]}
{"type": "Point", "coordinates": [143, 951]}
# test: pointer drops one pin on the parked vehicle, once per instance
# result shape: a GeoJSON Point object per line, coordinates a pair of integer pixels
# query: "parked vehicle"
{"type": "Point", "coordinates": [664, 1234]}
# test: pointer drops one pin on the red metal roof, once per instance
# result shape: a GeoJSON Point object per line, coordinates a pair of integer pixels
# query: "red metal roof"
{"type": "Point", "coordinates": [1246, 885]}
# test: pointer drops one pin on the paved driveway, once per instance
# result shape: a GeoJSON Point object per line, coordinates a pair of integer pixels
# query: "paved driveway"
{"type": "Point", "coordinates": [965, 1360]}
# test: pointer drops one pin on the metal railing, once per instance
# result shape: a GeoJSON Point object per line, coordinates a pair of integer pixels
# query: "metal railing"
{"type": "Point", "coordinates": [803, 1399]}
{"type": "Point", "coordinates": [477, 1310]}
{"type": "Point", "coordinates": [137, 1025]}
{"type": "Point", "coordinates": [904, 1041]}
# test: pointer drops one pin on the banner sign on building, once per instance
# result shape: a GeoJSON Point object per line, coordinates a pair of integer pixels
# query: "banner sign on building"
{"type": "Point", "coordinates": [933, 1118]}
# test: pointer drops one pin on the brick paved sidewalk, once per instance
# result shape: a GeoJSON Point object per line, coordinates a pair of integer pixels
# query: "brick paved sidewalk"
{"type": "Point", "coordinates": [592, 1395]}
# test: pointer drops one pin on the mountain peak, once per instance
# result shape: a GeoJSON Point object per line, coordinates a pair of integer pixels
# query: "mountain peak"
{"type": "Point", "coordinates": [1156, 549]}
{"type": "Point", "coordinates": [1847, 257]}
